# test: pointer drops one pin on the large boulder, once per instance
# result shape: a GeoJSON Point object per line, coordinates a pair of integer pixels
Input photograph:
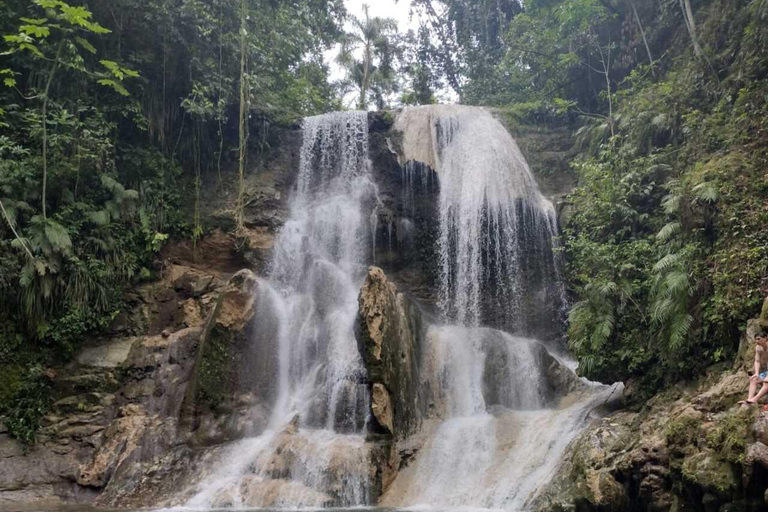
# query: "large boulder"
{"type": "Point", "coordinates": [389, 333]}
{"type": "Point", "coordinates": [213, 406]}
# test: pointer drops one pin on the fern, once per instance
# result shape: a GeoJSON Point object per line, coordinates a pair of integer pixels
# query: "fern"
{"type": "Point", "coordinates": [667, 262]}
{"type": "Point", "coordinates": [671, 204]}
{"type": "Point", "coordinates": [670, 302]}
{"type": "Point", "coordinates": [706, 193]}
{"type": "Point", "coordinates": [668, 231]}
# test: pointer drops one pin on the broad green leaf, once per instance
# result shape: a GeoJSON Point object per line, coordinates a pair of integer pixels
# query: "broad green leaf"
{"type": "Point", "coordinates": [114, 85]}
{"type": "Point", "coordinates": [85, 44]}
{"type": "Point", "coordinates": [32, 48]}
{"type": "Point", "coordinates": [35, 30]}
{"type": "Point", "coordinates": [34, 21]}
{"type": "Point", "coordinates": [49, 4]}
{"type": "Point", "coordinates": [113, 67]}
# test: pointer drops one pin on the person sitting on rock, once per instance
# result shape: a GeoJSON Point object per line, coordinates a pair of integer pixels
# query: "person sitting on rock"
{"type": "Point", "coordinates": [761, 371]}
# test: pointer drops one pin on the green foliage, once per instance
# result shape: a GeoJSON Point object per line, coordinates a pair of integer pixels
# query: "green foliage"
{"type": "Point", "coordinates": [114, 169]}
{"type": "Point", "coordinates": [27, 406]}
{"type": "Point", "coordinates": [666, 244]}
{"type": "Point", "coordinates": [213, 374]}
{"type": "Point", "coordinates": [372, 75]}
{"type": "Point", "coordinates": [682, 434]}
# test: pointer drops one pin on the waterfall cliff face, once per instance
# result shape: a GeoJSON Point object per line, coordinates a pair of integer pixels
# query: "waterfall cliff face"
{"type": "Point", "coordinates": [487, 413]}
{"type": "Point", "coordinates": [314, 452]}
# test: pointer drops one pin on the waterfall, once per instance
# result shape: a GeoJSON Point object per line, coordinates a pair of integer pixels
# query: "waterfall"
{"type": "Point", "coordinates": [502, 408]}
{"type": "Point", "coordinates": [498, 234]}
{"type": "Point", "coordinates": [501, 436]}
{"type": "Point", "coordinates": [314, 452]}
{"type": "Point", "coordinates": [503, 424]}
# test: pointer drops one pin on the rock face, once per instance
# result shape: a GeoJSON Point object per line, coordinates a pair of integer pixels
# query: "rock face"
{"type": "Point", "coordinates": [214, 408]}
{"type": "Point", "coordinates": [389, 336]}
{"type": "Point", "coordinates": [689, 448]}
{"type": "Point", "coordinates": [131, 407]}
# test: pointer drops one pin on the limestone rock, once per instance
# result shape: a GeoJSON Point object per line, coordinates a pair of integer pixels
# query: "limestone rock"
{"type": "Point", "coordinates": [121, 439]}
{"type": "Point", "coordinates": [382, 407]}
{"type": "Point", "coordinates": [237, 303]}
{"type": "Point", "coordinates": [605, 493]}
{"type": "Point", "coordinates": [107, 355]}
{"type": "Point", "coordinates": [757, 453]}
{"type": "Point", "coordinates": [389, 333]}
{"type": "Point", "coordinates": [760, 428]}
{"type": "Point", "coordinates": [224, 365]}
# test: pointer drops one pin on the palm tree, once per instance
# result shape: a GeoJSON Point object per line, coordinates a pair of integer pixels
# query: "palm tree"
{"type": "Point", "coordinates": [376, 37]}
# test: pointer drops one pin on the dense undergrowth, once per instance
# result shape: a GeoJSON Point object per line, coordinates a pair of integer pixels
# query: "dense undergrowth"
{"type": "Point", "coordinates": [666, 244]}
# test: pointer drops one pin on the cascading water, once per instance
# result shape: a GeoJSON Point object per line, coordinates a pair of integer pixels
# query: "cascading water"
{"type": "Point", "coordinates": [314, 452]}
{"type": "Point", "coordinates": [503, 429]}
{"type": "Point", "coordinates": [497, 232]}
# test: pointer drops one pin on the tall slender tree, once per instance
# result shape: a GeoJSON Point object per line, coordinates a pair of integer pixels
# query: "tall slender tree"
{"type": "Point", "coordinates": [375, 38]}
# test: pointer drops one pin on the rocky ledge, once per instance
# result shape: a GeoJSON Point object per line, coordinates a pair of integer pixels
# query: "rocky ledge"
{"type": "Point", "coordinates": [689, 448]}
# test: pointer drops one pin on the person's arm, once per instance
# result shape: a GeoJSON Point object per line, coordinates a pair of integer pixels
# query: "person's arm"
{"type": "Point", "coordinates": [758, 358]}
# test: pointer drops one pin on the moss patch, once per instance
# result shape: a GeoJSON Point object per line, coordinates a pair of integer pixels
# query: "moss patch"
{"type": "Point", "coordinates": [215, 370]}
{"type": "Point", "coordinates": [708, 471]}
{"type": "Point", "coordinates": [730, 438]}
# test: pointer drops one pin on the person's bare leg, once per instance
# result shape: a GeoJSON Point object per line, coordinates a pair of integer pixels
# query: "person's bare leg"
{"type": "Point", "coordinates": [752, 390]}
{"type": "Point", "coordinates": [753, 383]}
{"type": "Point", "coordinates": [763, 391]}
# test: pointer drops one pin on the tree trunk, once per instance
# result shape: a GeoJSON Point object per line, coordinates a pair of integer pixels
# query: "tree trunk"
{"type": "Point", "coordinates": [52, 73]}
{"type": "Point", "coordinates": [10, 225]}
{"type": "Point", "coordinates": [645, 40]}
{"type": "Point", "coordinates": [221, 88]}
{"type": "Point", "coordinates": [363, 104]}
{"type": "Point", "coordinates": [690, 24]}
{"type": "Point", "coordinates": [240, 207]}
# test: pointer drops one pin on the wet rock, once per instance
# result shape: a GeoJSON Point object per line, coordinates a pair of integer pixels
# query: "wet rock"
{"type": "Point", "coordinates": [237, 303]}
{"type": "Point", "coordinates": [389, 334]}
{"type": "Point", "coordinates": [107, 355]}
{"type": "Point", "coordinates": [216, 253]}
{"type": "Point", "coordinates": [760, 428]}
{"type": "Point", "coordinates": [193, 283]}
{"type": "Point", "coordinates": [224, 365]}
{"type": "Point", "coordinates": [604, 492]}
{"type": "Point", "coordinates": [381, 406]}
{"type": "Point", "coordinates": [757, 453]}
{"type": "Point", "coordinates": [256, 492]}
{"type": "Point", "coordinates": [121, 439]}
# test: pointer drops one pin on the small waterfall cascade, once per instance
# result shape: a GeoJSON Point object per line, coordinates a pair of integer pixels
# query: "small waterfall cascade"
{"type": "Point", "coordinates": [503, 429]}
{"type": "Point", "coordinates": [313, 453]}
{"type": "Point", "coordinates": [498, 234]}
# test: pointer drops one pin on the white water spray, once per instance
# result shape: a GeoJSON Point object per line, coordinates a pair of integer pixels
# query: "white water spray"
{"type": "Point", "coordinates": [314, 452]}
{"type": "Point", "coordinates": [497, 232]}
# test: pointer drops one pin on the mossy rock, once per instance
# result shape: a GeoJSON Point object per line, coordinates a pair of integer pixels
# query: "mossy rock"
{"type": "Point", "coordinates": [710, 473]}
{"type": "Point", "coordinates": [215, 371]}
{"type": "Point", "coordinates": [215, 377]}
